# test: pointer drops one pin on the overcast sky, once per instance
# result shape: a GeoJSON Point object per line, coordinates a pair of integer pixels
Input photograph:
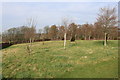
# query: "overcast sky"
{"type": "Point", "coordinates": [15, 14]}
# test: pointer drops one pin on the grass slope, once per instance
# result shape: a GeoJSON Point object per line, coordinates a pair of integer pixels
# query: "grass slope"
{"type": "Point", "coordinates": [83, 59]}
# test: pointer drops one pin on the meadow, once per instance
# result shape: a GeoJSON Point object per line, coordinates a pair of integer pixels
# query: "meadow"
{"type": "Point", "coordinates": [81, 59]}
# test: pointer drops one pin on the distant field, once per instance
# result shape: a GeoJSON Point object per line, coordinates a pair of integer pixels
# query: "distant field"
{"type": "Point", "coordinates": [83, 59]}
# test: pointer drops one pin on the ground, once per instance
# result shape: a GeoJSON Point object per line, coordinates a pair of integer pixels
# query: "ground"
{"type": "Point", "coordinates": [81, 59]}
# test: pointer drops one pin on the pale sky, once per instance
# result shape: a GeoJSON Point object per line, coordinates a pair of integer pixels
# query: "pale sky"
{"type": "Point", "coordinates": [15, 14]}
{"type": "Point", "coordinates": [59, 0]}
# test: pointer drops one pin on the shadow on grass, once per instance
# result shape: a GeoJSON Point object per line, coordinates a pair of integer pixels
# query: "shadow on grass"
{"type": "Point", "coordinates": [5, 45]}
{"type": "Point", "coordinates": [99, 42]}
{"type": "Point", "coordinates": [102, 42]}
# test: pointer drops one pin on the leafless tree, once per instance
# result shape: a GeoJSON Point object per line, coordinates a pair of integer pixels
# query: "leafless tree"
{"type": "Point", "coordinates": [73, 31]}
{"type": "Point", "coordinates": [53, 32]}
{"type": "Point", "coordinates": [31, 30]}
{"type": "Point", "coordinates": [97, 31]}
{"type": "Point", "coordinates": [39, 33]}
{"type": "Point", "coordinates": [65, 23]}
{"type": "Point", "coordinates": [46, 32]}
{"type": "Point", "coordinates": [107, 18]}
{"type": "Point", "coordinates": [85, 30]}
{"type": "Point", "coordinates": [61, 31]}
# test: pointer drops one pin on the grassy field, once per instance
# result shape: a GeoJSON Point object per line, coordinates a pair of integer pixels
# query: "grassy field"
{"type": "Point", "coordinates": [83, 59]}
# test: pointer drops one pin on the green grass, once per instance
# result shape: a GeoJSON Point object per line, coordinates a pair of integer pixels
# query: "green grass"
{"type": "Point", "coordinates": [82, 59]}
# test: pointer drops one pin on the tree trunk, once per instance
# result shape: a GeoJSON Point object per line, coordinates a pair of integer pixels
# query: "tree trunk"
{"type": "Point", "coordinates": [89, 37]}
{"type": "Point", "coordinates": [64, 40]}
{"type": "Point", "coordinates": [98, 37]}
{"type": "Point", "coordinates": [85, 37]}
{"type": "Point", "coordinates": [72, 39]}
{"type": "Point", "coordinates": [9, 42]}
{"type": "Point", "coordinates": [30, 41]}
{"type": "Point", "coordinates": [105, 41]}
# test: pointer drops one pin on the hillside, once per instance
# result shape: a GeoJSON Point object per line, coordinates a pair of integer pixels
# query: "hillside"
{"type": "Point", "coordinates": [82, 59]}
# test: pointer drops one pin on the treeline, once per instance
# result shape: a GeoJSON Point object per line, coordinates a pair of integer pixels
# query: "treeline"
{"type": "Point", "coordinates": [19, 35]}
{"type": "Point", "coordinates": [25, 34]}
{"type": "Point", "coordinates": [103, 29]}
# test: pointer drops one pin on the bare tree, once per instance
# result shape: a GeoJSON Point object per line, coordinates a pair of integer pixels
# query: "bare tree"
{"type": "Point", "coordinates": [97, 31]}
{"type": "Point", "coordinates": [107, 18]}
{"type": "Point", "coordinates": [61, 31]}
{"type": "Point", "coordinates": [39, 33]}
{"type": "Point", "coordinates": [46, 32]}
{"type": "Point", "coordinates": [113, 33]}
{"type": "Point", "coordinates": [90, 31]}
{"type": "Point", "coordinates": [65, 23]}
{"type": "Point", "coordinates": [73, 31]}
{"type": "Point", "coordinates": [31, 30]}
{"type": "Point", "coordinates": [53, 32]}
{"type": "Point", "coordinates": [12, 35]}
{"type": "Point", "coordinates": [85, 30]}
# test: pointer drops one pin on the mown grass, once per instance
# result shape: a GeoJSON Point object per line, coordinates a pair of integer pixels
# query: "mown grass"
{"type": "Point", "coordinates": [82, 59]}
